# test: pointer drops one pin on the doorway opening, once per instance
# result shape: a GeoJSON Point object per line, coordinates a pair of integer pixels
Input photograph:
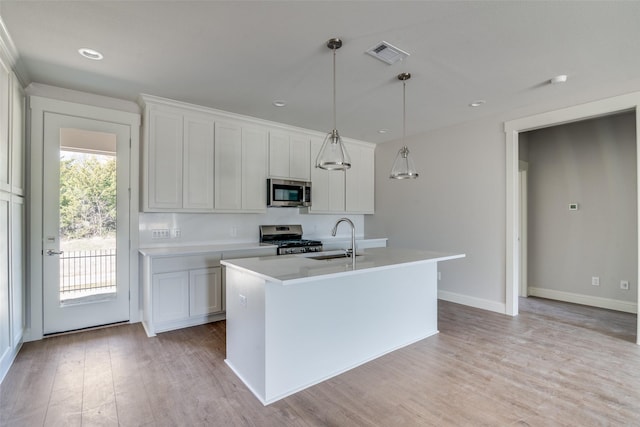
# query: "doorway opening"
{"type": "Point", "coordinates": [629, 102]}
{"type": "Point", "coordinates": [582, 212]}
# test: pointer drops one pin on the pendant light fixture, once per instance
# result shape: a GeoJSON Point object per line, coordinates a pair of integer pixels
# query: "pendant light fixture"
{"type": "Point", "coordinates": [333, 154]}
{"type": "Point", "coordinates": [403, 167]}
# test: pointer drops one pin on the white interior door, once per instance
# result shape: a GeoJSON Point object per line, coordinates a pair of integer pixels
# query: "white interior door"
{"type": "Point", "coordinates": [85, 223]}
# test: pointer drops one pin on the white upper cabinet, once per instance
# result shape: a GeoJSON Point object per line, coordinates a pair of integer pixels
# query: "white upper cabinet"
{"type": "Point", "coordinates": [299, 157]}
{"type": "Point", "coordinates": [17, 139]}
{"type": "Point", "coordinates": [197, 159]}
{"type": "Point", "coordinates": [228, 169]}
{"type": "Point", "coordinates": [350, 191]}
{"type": "Point", "coordinates": [163, 149]}
{"type": "Point", "coordinates": [5, 152]}
{"type": "Point", "coordinates": [197, 165]}
{"type": "Point", "coordinates": [289, 155]}
{"type": "Point", "coordinates": [360, 179]}
{"type": "Point", "coordinates": [279, 154]}
{"type": "Point", "coordinates": [241, 168]}
{"type": "Point", "coordinates": [179, 161]}
{"type": "Point", "coordinates": [327, 187]}
{"type": "Point", "coordinates": [254, 169]}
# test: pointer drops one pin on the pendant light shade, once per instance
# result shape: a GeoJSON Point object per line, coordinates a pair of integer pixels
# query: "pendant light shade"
{"type": "Point", "coordinates": [333, 154]}
{"type": "Point", "coordinates": [403, 167]}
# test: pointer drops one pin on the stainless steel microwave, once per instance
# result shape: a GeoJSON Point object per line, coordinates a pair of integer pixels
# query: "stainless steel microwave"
{"type": "Point", "coordinates": [288, 193]}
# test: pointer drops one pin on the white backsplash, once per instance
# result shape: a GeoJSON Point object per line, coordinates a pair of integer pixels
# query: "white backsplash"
{"type": "Point", "coordinates": [238, 228]}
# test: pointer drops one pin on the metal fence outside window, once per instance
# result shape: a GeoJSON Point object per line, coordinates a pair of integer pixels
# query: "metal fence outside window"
{"type": "Point", "coordinates": [87, 272]}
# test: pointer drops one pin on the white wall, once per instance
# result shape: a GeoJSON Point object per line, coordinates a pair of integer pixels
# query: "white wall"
{"type": "Point", "coordinates": [592, 163]}
{"type": "Point", "coordinates": [456, 205]}
{"type": "Point", "coordinates": [458, 202]}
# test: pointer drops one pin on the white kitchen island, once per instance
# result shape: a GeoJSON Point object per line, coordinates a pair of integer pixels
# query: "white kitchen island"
{"type": "Point", "coordinates": [293, 321]}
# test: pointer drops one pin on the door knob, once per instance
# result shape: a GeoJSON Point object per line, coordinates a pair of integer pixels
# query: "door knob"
{"type": "Point", "coordinates": [51, 252]}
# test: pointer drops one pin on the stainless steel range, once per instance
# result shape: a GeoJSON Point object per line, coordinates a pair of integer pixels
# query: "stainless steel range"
{"type": "Point", "coordinates": [289, 239]}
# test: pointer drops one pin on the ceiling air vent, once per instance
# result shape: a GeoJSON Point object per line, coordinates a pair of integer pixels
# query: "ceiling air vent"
{"type": "Point", "coordinates": [388, 53]}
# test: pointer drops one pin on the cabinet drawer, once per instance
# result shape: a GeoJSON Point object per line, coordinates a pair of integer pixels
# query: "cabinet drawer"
{"type": "Point", "coordinates": [189, 262]}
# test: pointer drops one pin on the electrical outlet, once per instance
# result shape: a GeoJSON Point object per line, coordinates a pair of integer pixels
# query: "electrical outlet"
{"type": "Point", "coordinates": [243, 300]}
{"type": "Point", "coordinates": [624, 284]}
{"type": "Point", "coordinates": [160, 233]}
{"type": "Point", "coordinates": [595, 281]}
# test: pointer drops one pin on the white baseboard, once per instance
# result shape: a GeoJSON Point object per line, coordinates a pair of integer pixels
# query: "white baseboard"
{"type": "Point", "coordinates": [608, 303]}
{"type": "Point", "coordinates": [498, 307]}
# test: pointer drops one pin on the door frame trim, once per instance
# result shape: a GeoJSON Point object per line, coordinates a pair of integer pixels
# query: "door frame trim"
{"type": "Point", "coordinates": [603, 107]}
{"type": "Point", "coordinates": [37, 106]}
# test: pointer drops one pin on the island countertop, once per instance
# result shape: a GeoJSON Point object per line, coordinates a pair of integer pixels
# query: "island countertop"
{"type": "Point", "coordinates": [300, 268]}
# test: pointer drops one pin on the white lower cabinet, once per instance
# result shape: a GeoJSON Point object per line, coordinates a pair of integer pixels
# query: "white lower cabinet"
{"type": "Point", "coordinates": [185, 290]}
{"type": "Point", "coordinates": [5, 302]}
{"type": "Point", "coordinates": [170, 297]}
{"type": "Point", "coordinates": [181, 291]}
{"type": "Point", "coordinates": [205, 291]}
{"type": "Point", "coordinates": [182, 295]}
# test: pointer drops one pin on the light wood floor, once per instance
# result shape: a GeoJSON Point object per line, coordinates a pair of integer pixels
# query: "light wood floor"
{"type": "Point", "coordinates": [555, 364]}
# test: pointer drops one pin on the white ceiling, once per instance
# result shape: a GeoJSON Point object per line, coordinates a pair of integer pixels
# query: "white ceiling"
{"type": "Point", "coordinates": [239, 56]}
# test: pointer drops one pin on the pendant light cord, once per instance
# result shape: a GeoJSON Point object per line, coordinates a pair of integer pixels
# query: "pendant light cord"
{"type": "Point", "coordinates": [334, 88]}
{"type": "Point", "coordinates": [404, 110]}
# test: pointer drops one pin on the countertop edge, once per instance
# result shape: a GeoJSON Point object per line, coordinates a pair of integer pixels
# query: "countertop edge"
{"type": "Point", "coordinates": [157, 252]}
{"type": "Point", "coordinates": [287, 282]}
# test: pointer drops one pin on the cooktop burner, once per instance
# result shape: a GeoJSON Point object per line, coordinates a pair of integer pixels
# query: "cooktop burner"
{"type": "Point", "coordinates": [289, 239]}
{"type": "Point", "coordinates": [295, 242]}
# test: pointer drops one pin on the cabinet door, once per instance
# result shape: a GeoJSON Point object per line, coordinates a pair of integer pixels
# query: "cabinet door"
{"type": "Point", "coordinates": [5, 319]}
{"type": "Point", "coordinates": [254, 169]}
{"type": "Point", "coordinates": [228, 169]}
{"type": "Point", "coordinates": [5, 96]}
{"type": "Point", "coordinates": [279, 155]}
{"type": "Point", "coordinates": [205, 291]}
{"type": "Point", "coordinates": [198, 164]}
{"type": "Point", "coordinates": [327, 187]}
{"type": "Point", "coordinates": [170, 296]}
{"type": "Point", "coordinates": [289, 156]}
{"type": "Point", "coordinates": [299, 157]}
{"type": "Point", "coordinates": [17, 268]}
{"type": "Point", "coordinates": [360, 179]}
{"type": "Point", "coordinates": [17, 140]}
{"type": "Point", "coordinates": [164, 147]}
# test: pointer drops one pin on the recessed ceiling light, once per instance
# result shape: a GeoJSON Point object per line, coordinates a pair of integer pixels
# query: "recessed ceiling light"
{"type": "Point", "coordinates": [562, 78]}
{"type": "Point", "coordinates": [477, 103]}
{"type": "Point", "coordinates": [90, 53]}
{"type": "Point", "coordinates": [279, 103]}
{"type": "Point", "coordinates": [383, 131]}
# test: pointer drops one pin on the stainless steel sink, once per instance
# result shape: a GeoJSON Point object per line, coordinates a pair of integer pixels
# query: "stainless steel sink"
{"type": "Point", "coordinates": [329, 256]}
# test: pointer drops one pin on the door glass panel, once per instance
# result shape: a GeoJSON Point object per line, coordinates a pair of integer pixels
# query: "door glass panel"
{"type": "Point", "coordinates": [87, 215]}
